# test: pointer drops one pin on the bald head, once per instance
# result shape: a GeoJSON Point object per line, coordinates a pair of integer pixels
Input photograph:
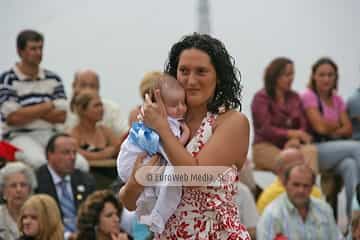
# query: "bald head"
{"type": "Point", "coordinates": [167, 85]}
{"type": "Point", "coordinates": [288, 158]}
{"type": "Point", "coordinates": [85, 79]}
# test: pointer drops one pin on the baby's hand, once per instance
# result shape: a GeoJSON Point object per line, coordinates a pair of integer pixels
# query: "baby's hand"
{"type": "Point", "coordinates": [185, 133]}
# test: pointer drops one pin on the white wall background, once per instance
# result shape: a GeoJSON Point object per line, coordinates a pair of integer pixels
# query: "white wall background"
{"type": "Point", "coordinates": [123, 39]}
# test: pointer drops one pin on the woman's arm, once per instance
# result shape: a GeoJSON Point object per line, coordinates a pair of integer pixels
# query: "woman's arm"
{"type": "Point", "coordinates": [108, 152]}
{"type": "Point", "coordinates": [131, 191]}
{"type": "Point", "coordinates": [345, 129]}
{"type": "Point", "coordinates": [318, 123]}
{"type": "Point", "coordinates": [112, 140]}
{"type": "Point", "coordinates": [262, 118]}
{"type": "Point", "coordinates": [227, 146]}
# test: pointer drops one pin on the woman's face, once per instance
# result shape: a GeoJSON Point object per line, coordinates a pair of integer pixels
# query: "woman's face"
{"type": "Point", "coordinates": [324, 78]}
{"type": "Point", "coordinates": [16, 190]}
{"type": "Point", "coordinates": [109, 220]}
{"type": "Point", "coordinates": [285, 80]}
{"type": "Point", "coordinates": [95, 109]}
{"type": "Point", "coordinates": [30, 222]}
{"type": "Point", "coordinates": [197, 75]}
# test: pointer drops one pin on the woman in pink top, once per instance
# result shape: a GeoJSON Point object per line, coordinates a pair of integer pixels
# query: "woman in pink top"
{"type": "Point", "coordinates": [278, 118]}
{"type": "Point", "coordinates": [331, 126]}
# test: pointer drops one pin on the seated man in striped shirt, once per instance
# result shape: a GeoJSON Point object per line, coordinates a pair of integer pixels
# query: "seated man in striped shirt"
{"type": "Point", "coordinates": [32, 100]}
{"type": "Point", "coordinates": [296, 215]}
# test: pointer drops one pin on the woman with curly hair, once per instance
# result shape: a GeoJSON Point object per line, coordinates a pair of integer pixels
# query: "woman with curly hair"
{"type": "Point", "coordinates": [219, 137]}
{"type": "Point", "coordinates": [99, 218]}
{"type": "Point", "coordinates": [40, 219]}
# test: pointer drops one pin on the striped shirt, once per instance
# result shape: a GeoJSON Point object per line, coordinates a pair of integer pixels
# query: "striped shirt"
{"type": "Point", "coordinates": [18, 90]}
{"type": "Point", "coordinates": [281, 217]}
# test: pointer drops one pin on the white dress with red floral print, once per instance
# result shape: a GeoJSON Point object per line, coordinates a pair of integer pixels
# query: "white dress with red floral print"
{"type": "Point", "coordinates": [206, 212]}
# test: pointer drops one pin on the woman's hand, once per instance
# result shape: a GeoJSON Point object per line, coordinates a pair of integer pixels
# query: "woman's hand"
{"type": "Point", "coordinates": [292, 143]}
{"type": "Point", "coordinates": [154, 114]}
{"type": "Point", "coordinates": [305, 137]}
{"type": "Point", "coordinates": [301, 135]}
{"type": "Point", "coordinates": [131, 191]}
{"type": "Point", "coordinates": [154, 161]}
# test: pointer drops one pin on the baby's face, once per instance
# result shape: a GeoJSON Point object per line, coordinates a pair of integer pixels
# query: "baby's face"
{"type": "Point", "coordinates": [174, 101]}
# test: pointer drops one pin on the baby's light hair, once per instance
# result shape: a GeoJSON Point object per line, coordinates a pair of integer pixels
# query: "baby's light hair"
{"type": "Point", "coordinates": [148, 82]}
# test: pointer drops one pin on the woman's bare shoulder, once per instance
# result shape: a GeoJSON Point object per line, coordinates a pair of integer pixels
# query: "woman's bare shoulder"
{"type": "Point", "coordinates": [74, 132]}
{"type": "Point", "coordinates": [232, 118]}
{"type": "Point", "coordinates": [105, 129]}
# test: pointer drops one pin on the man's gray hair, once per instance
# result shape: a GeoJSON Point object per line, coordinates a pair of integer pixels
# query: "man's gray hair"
{"type": "Point", "coordinates": [17, 167]}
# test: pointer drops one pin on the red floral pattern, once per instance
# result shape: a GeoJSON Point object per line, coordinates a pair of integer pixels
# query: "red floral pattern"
{"type": "Point", "coordinates": [206, 212]}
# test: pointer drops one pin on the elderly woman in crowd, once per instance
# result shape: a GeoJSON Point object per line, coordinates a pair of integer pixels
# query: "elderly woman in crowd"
{"type": "Point", "coordinates": [99, 218]}
{"type": "Point", "coordinates": [40, 219]}
{"type": "Point", "coordinates": [17, 182]}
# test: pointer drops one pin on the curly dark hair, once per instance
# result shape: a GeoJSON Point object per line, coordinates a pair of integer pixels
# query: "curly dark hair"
{"type": "Point", "coordinates": [228, 87]}
{"type": "Point", "coordinates": [89, 213]}
{"type": "Point", "coordinates": [272, 72]}
{"type": "Point", "coordinates": [314, 68]}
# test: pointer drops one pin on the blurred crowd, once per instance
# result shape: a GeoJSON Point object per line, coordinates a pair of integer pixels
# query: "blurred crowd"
{"type": "Point", "coordinates": [53, 144]}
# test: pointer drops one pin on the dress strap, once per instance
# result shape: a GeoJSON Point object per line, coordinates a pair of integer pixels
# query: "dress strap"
{"type": "Point", "coordinates": [203, 134]}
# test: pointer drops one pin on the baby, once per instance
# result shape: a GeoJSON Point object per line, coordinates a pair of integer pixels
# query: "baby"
{"type": "Point", "coordinates": [156, 204]}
